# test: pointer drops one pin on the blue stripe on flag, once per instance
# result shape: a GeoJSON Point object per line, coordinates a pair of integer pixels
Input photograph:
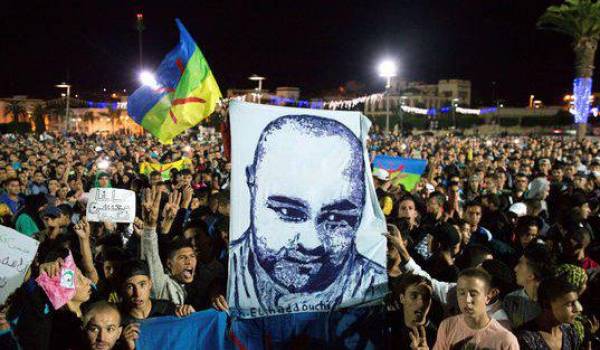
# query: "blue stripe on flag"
{"type": "Point", "coordinates": [167, 75]}
{"type": "Point", "coordinates": [408, 165]}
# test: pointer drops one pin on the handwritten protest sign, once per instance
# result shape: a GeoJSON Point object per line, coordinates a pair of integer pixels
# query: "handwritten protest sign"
{"type": "Point", "coordinates": [111, 204]}
{"type": "Point", "coordinates": [16, 254]}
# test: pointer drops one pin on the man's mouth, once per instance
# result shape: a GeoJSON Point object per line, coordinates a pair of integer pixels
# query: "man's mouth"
{"type": "Point", "coordinates": [419, 315]}
{"type": "Point", "coordinates": [137, 302]}
{"type": "Point", "coordinates": [101, 345]}
{"type": "Point", "coordinates": [188, 273]}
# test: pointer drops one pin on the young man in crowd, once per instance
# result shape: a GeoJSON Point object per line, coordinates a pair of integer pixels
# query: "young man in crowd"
{"type": "Point", "coordinates": [181, 257]}
{"type": "Point", "coordinates": [413, 292]}
{"type": "Point", "coordinates": [473, 328]}
{"type": "Point", "coordinates": [136, 289]}
{"type": "Point", "coordinates": [102, 326]}
{"type": "Point", "coordinates": [535, 264]}
{"type": "Point", "coordinates": [12, 197]}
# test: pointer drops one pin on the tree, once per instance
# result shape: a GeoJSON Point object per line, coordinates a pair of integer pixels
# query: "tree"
{"type": "Point", "coordinates": [113, 114]}
{"type": "Point", "coordinates": [579, 19]}
{"type": "Point", "coordinates": [89, 118]}
{"type": "Point", "coordinates": [39, 112]}
{"type": "Point", "coordinates": [16, 109]}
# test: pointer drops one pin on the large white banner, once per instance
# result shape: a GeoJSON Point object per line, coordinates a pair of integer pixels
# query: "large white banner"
{"type": "Point", "coordinates": [110, 204]}
{"type": "Point", "coordinates": [16, 254]}
{"type": "Point", "coordinates": [305, 231]}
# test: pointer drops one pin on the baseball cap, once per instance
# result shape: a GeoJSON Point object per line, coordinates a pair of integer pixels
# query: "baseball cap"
{"type": "Point", "coordinates": [381, 174]}
{"type": "Point", "coordinates": [519, 209]}
{"type": "Point", "coordinates": [134, 268]}
{"type": "Point", "coordinates": [51, 212]}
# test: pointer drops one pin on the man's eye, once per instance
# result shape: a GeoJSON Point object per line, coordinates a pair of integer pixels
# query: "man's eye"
{"type": "Point", "coordinates": [289, 214]}
{"type": "Point", "coordinates": [338, 219]}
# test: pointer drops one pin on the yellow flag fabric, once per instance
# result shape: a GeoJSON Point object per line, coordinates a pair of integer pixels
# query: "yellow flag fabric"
{"type": "Point", "coordinates": [164, 169]}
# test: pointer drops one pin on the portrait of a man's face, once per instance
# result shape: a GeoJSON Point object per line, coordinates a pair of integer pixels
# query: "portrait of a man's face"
{"type": "Point", "coordinates": [305, 219]}
{"type": "Point", "coordinates": [304, 213]}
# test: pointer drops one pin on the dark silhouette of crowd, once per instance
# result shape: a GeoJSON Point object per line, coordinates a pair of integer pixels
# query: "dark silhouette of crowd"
{"type": "Point", "coordinates": [496, 247]}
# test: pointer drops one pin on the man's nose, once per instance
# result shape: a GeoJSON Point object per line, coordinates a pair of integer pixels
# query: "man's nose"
{"type": "Point", "coordinates": [308, 236]}
{"type": "Point", "coordinates": [469, 298]}
{"type": "Point", "coordinates": [578, 307]}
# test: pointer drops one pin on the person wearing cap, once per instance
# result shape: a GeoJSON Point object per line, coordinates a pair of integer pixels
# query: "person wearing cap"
{"type": "Point", "coordinates": [445, 247]}
{"type": "Point", "coordinates": [136, 288]}
{"type": "Point", "coordinates": [55, 221]}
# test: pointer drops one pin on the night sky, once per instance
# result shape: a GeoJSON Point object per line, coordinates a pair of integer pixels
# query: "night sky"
{"type": "Point", "coordinates": [315, 45]}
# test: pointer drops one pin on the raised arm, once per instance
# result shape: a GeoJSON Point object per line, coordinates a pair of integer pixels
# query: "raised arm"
{"type": "Point", "coordinates": [440, 289]}
{"type": "Point", "coordinates": [83, 231]}
{"type": "Point", "coordinates": [149, 242]}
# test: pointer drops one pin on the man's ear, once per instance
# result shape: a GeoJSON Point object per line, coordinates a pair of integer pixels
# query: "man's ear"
{"type": "Point", "coordinates": [402, 299]}
{"type": "Point", "coordinates": [490, 295]}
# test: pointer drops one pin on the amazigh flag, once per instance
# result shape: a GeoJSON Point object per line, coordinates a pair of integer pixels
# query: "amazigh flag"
{"type": "Point", "coordinates": [184, 93]}
{"type": "Point", "coordinates": [403, 171]}
{"type": "Point", "coordinates": [164, 169]}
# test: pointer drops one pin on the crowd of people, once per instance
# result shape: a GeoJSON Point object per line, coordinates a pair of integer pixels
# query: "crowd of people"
{"type": "Point", "coordinates": [495, 248]}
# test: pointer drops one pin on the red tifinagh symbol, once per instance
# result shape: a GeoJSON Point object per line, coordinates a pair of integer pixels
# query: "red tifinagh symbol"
{"type": "Point", "coordinates": [391, 171]}
{"type": "Point", "coordinates": [181, 101]}
{"type": "Point", "coordinates": [400, 169]}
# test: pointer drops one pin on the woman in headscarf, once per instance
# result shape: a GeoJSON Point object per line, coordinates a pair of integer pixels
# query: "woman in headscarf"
{"type": "Point", "coordinates": [28, 220]}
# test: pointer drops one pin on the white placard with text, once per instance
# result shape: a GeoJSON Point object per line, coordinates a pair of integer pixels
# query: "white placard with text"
{"type": "Point", "coordinates": [110, 204]}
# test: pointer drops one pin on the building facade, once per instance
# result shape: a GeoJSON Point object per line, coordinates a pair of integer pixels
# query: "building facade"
{"type": "Point", "coordinates": [420, 95]}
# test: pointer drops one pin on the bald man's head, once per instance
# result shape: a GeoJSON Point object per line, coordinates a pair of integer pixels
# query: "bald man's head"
{"type": "Point", "coordinates": [307, 190]}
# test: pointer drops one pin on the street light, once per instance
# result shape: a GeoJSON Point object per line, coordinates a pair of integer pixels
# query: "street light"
{"type": "Point", "coordinates": [259, 79]}
{"type": "Point", "coordinates": [148, 79]}
{"type": "Point", "coordinates": [68, 87]}
{"type": "Point", "coordinates": [387, 69]}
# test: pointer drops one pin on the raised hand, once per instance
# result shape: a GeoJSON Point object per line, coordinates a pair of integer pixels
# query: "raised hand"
{"type": "Point", "coordinates": [82, 229]}
{"type": "Point", "coordinates": [184, 310]}
{"type": "Point", "coordinates": [172, 206]}
{"type": "Point", "coordinates": [418, 338]}
{"type": "Point", "coordinates": [188, 192]}
{"type": "Point", "coordinates": [138, 226]}
{"type": "Point", "coordinates": [219, 303]}
{"type": "Point", "coordinates": [151, 206]}
{"type": "Point", "coordinates": [52, 269]}
{"type": "Point", "coordinates": [395, 238]}
{"type": "Point", "coordinates": [131, 333]}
